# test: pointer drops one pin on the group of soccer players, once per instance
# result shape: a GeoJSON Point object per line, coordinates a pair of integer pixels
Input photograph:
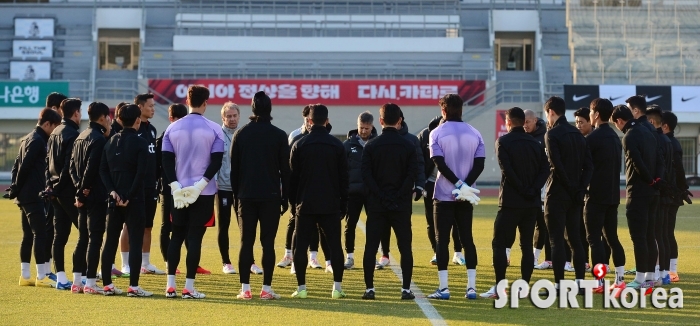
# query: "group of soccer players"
{"type": "Point", "coordinates": [107, 180]}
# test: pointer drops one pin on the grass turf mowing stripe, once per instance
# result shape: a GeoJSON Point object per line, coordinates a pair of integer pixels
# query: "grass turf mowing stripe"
{"type": "Point", "coordinates": [425, 306]}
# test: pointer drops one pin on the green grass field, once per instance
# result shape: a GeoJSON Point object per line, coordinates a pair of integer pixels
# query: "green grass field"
{"type": "Point", "coordinates": [29, 305]}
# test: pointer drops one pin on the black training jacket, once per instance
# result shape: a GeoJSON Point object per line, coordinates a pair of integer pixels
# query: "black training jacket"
{"type": "Point", "coordinates": [85, 164]}
{"type": "Point", "coordinates": [679, 171]}
{"type": "Point", "coordinates": [59, 153]}
{"type": "Point", "coordinates": [540, 131]}
{"type": "Point", "coordinates": [163, 183]}
{"type": "Point", "coordinates": [420, 178]}
{"type": "Point", "coordinates": [389, 169]}
{"type": "Point", "coordinates": [28, 171]}
{"type": "Point", "coordinates": [660, 169]}
{"type": "Point", "coordinates": [606, 154]}
{"type": "Point", "coordinates": [423, 138]}
{"type": "Point", "coordinates": [148, 132]}
{"type": "Point", "coordinates": [116, 128]}
{"type": "Point", "coordinates": [570, 162]}
{"type": "Point", "coordinates": [640, 149]}
{"type": "Point", "coordinates": [524, 169]}
{"type": "Point", "coordinates": [318, 183]}
{"type": "Point", "coordinates": [260, 162]}
{"type": "Point", "coordinates": [353, 153]}
{"type": "Point", "coordinates": [124, 164]}
{"type": "Point", "coordinates": [667, 193]}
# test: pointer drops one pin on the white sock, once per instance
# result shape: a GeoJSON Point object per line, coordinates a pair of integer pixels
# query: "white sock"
{"type": "Point", "coordinates": [145, 259]}
{"type": "Point", "coordinates": [367, 290]}
{"type": "Point", "coordinates": [328, 263]}
{"type": "Point", "coordinates": [442, 276]}
{"type": "Point", "coordinates": [336, 286]}
{"type": "Point", "coordinates": [619, 274]}
{"type": "Point", "coordinates": [40, 271]}
{"type": "Point", "coordinates": [537, 253]}
{"type": "Point", "coordinates": [125, 259]}
{"type": "Point", "coordinates": [245, 287]}
{"type": "Point", "coordinates": [351, 255]}
{"type": "Point", "coordinates": [91, 282]}
{"type": "Point", "coordinates": [114, 266]}
{"type": "Point", "coordinates": [301, 288]}
{"type": "Point", "coordinates": [61, 277]}
{"type": "Point", "coordinates": [313, 254]}
{"type": "Point", "coordinates": [189, 284]}
{"type": "Point", "coordinates": [287, 252]}
{"type": "Point", "coordinates": [508, 253]}
{"type": "Point", "coordinates": [47, 268]}
{"type": "Point", "coordinates": [78, 279]}
{"type": "Point", "coordinates": [134, 287]}
{"type": "Point", "coordinates": [639, 277]}
{"type": "Point", "coordinates": [471, 274]}
{"type": "Point", "coordinates": [657, 272]}
{"type": "Point", "coordinates": [406, 290]}
{"type": "Point", "coordinates": [26, 273]}
{"type": "Point", "coordinates": [266, 288]}
{"type": "Point", "coordinates": [171, 282]}
{"type": "Point", "coordinates": [458, 254]}
{"type": "Point", "coordinates": [649, 276]}
{"type": "Point", "coordinates": [674, 265]}
{"type": "Point", "coordinates": [664, 273]}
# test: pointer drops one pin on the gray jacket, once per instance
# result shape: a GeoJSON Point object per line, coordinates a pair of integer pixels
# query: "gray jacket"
{"type": "Point", "coordinates": [223, 178]}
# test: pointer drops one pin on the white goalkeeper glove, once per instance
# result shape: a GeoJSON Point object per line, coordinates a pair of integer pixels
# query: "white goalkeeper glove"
{"type": "Point", "coordinates": [191, 193]}
{"type": "Point", "coordinates": [178, 198]}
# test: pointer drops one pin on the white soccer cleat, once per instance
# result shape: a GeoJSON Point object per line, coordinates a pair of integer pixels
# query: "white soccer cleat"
{"type": "Point", "coordinates": [255, 269]}
{"type": "Point", "coordinates": [228, 269]}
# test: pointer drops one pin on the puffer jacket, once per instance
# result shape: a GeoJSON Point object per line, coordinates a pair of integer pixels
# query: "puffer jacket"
{"type": "Point", "coordinates": [353, 153]}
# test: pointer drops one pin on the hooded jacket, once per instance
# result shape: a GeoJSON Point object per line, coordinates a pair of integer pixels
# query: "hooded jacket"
{"type": "Point", "coordinates": [429, 168]}
{"type": "Point", "coordinates": [353, 153]}
{"type": "Point", "coordinates": [223, 178]}
{"type": "Point", "coordinates": [539, 132]}
{"type": "Point", "coordinates": [420, 178]}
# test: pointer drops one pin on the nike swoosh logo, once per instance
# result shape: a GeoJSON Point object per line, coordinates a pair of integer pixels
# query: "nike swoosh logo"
{"type": "Point", "coordinates": [614, 98]}
{"type": "Point", "coordinates": [649, 99]}
{"type": "Point", "coordinates": [139, 134]}
{"type": "Point", "coordinates": [687, 99]}
{"type": "Point", "coordinates": [578, 98]}
{"type": "Point", "coordinates": [118, 153]}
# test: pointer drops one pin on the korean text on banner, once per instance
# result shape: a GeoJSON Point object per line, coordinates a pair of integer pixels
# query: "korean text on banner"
{"type": "Point", "coordinates": [28, 94]}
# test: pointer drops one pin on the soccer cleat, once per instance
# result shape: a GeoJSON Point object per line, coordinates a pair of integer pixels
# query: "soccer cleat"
{"type": "Point", "coordinates": [329, 268]}
{"type": "Point", "coordinates": [255, 269]}
{"type": "Point", "coordinates": [286, 261]}
{"type": "Point", "coordinates": [471, 294]}
{"type": "Point", "coordinates": [150, 269]}
{"type": "Point", "coordinates": [433, 261]}
{"type": "Point", "coordinates": [368, 295]}
{"type": "Point", "coordinates": [674, 276]}
{"type": "Point", "coordinates": [137, 292]}
{"type": "Point", "coordinates": [244, 295]}
{"type": "Point", "coordinates": [45, 282]}
{"type": "Point", "coordinates": [228, 269]}
{"type": "Point", "coordinates": [440, 294]}
{"type": "Point", "coordinates": [632, 271]}
{"type": "Point", "coordinates": [64, 286]}
{"type": "Point", "coordinates": [407, 295]}
{"type": "Point", "coordinates": [187, 294]}
{"type": "Point", "coordinates": [313, 263]}
{"type": "Point", "coordinates": [568, 267]}
{"type": "Point", "coordinates": [293, 270]}
{"type": "Point", "coordinates": [458, 260]}
{"type": "Point", "coordinates": [383, 262]}
{"type": "Point", "coordinates": [116, 272]}
{"type": "Point", "coordinates": [77, 289]}
{"type": "Point", "coordinates": [648, 286]}
{"type": "Point", "coordinates": [617, 289]}
{"type": "Point", "coordinates": [25, 281]}
{"type": "Point", "coordinates": [338, 294]}
{"type": "Point", "coordinates": [490, 294]}
{"type": "Point", "coordinates": [349, 263]}
{"type": "Point", "coordinates": [544, 265]}
{"type": "Point", "coordinates": [264, 295]}
{"type": "Point", "coordinates": [126, 270]}
{"type": "Point", "coordinates": [666, 280]}
{"type": "Point", "coordinates": [111, 290]}
{"type": "Point", "coordinates": [658, 282]}
{"type": "Point", "coordinates": [599, 290]}
{"type": "Point", "coordinates": [52, 277]}
{"type": "Point", "coordinates": [92, 290]}
{"type": "Point", "coordinates": [634, 285]}
{"type": "Point", "coordinates": [300, 294]}
{"type": "Point", "coordinates": [202, 271]}
{"type": "Point", "coordinates": [171, 293]}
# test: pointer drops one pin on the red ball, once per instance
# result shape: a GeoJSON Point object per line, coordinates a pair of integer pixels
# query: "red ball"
{"type": "Point", "coordinates": [599, 271]}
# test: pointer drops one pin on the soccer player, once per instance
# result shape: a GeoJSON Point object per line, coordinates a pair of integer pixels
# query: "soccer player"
{"type": "Point", "coordinates": [389, 170]}
{"type": "Point", "coordinates": [571, 169]}
{"type": "Point", "coordinates": [116, 124]}
{"type": "Point", "coordinates": [640, 149]}
{"type": "Point", "coordinates": [193, 148]}
{"type": "Point", "coordinates": [28, 180]}
{"type": "Point", "coordinates": [670, 121]}
{"type": "Point", "coordinates": [524, 170]}
{"type": "Point", "coordinates": [90, 197]}
{"type": "Point", "coordinates": [319, 189]}
{"type": "Point", "coordinates": [582, 120]}
{"type": "Point", "coordinates": [230, 114]}
{"type": "Point", "coordinates": [431, 171]}
{"type": "Point", "coordinates": [358, 192]}
{"type": "Point", "coordinates": [583, 124]}
{"type": "Point", "coordinates": [459, 154]}
{"type": "Point", "coordinates": [60, 185]}
{"type": "Point", "coordinates": [603, 196]}
{"type": "Point", "coordinates": [122, 170]}
{"type": "Point", "coordinates": [259, 166]}
{"type": "Point", "coordinates": [536, 127]}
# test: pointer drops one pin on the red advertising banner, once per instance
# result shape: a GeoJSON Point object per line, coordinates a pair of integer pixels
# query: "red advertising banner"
{"type": "Point", "coordinates": [329, 92]}
{"type": "Point", "coordinates": [501, 123]}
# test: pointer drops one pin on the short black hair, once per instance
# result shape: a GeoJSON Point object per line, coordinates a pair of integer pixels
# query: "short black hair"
{"type": "Point", "coordinates": [638, 102]}
{"type": "Point", "coordinates": [655, 110]}
{"type": "Point", "coordinates": [128, 115]}
{"type": "Point", "coordinates": [583, 113]}
{"type": "Point", "coordinates": [197, 95]}
{"type": "Point", "coordinates": [305, 111]}
{"type": "Point", "coordinates": [390, 113]}
{"type": "Point", "coordinates": [452, 103]}
{"type": "Point", "coordinates": [142, 98]}
{"type": "Point", "coordinates": [622, 112]}
{"type": "Point", "coordinates": [96, 110]}
{"type": "Point", "coordinates": [50, 115]}
{"type": "Point", "coordinates": [604, 108]}
{"type": "Point", "coordinates": [118, 108]}
{"type": "Point", "coordinates": [69, 106]}
{"type": "Point", "coordinates": [318, 114]}
{"type": "Point", "coordinates": [516, 116]}
{"type": "Point", "coordinates": [669, 118]}
{"type": "Point", "coordinates": [55, 99]}
{"type": "Point", "coordinates": [556, 104]}
{"type": "Point", "coordinates": [177, 110]}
